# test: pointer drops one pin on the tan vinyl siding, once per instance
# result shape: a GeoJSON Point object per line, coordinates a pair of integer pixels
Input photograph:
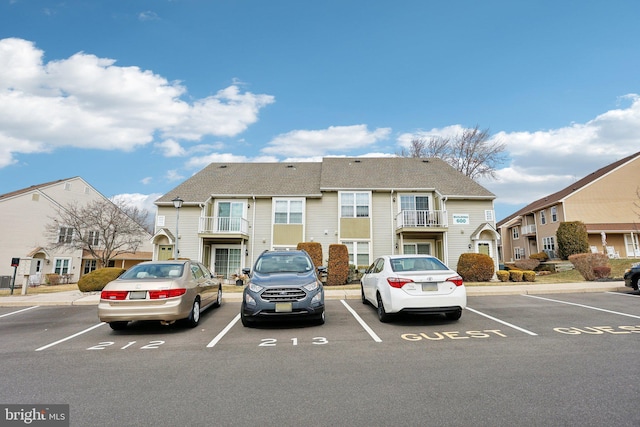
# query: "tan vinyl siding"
{"type": "Point", "coordinates": [287, 234]}
{"type": "Point", "coordinates": [355, 228]}
{"type": "Point", "coordinates": [607, 200]}
{"type": "Point", "coordinates": [459, 236]}
{"type": "Point", "coordinates": [383, 225]}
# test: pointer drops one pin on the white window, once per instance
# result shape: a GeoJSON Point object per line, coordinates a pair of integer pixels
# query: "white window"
{"type": "Point", "coordinates": [288, 211]}
{"type": "Point", "coordinates": [94, 238]}
{"type": "Point", "coordinates": [554, 214]}
{"type": "Point", "coordinates": [160, 220]}
{"type": "Point", "coordinates": [516, 233]}
{"type": "Point", "coordinates": [89, 266]}
{"type": "Point", "coordinates": [358, 251]}
{"type": "Point", "coordinates": [65, 235]}
{"type": "Point", "coordinates": [67, 186]}
{"type": "Point", "coordinates": [518, 253]}
{"type": "Point", "coordinates": [488, 215]}
{"type": "Point", "coordinates": [230, 216]}
{"type": "Point", "coordinates": [543, 217]}
{"type": "Point", "coordinates": [354, 205]}
{"type": "Point", "coordinates": [416, 248]}
{"type": "Point", "coordinates": [61, 265]}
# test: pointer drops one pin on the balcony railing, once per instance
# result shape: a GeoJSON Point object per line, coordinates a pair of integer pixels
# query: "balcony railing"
{"type": "Point", "coordinates": [529, 229]}
{"type": "Point", "coordinates": [222, 225]}
{"type": "Point", "coordinates": [422, 218]}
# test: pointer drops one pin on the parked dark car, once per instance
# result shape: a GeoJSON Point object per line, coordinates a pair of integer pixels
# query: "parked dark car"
{"type": "Point", "coordinates": [632, 276]}
{"type": "Point", "coordinates": [283, 284]}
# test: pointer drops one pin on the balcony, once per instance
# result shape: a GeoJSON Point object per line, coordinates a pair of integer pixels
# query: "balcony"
{"type": "Point", "coordinates": [421, 219]}
{"type": "Point", "coordinates": [223, 225]}
{"type": "Point", "coordinates": [528, 229]}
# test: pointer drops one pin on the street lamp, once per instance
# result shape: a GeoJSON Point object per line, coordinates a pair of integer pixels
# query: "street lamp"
{"type": "Point", "coordinates": [177, 203]}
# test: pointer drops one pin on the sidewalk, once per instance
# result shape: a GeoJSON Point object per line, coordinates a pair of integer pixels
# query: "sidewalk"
{"type": "Point", "coordinates": [92, 298]}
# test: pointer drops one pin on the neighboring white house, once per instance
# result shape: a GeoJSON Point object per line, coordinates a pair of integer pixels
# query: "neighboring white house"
{"type": "Point", "coordinates": [25, 214]}
{"type": "Point", "coordinates": [231, 212]}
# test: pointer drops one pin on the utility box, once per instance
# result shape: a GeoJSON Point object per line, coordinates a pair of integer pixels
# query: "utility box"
{"type": "Point", "coordinates": [5, 282]}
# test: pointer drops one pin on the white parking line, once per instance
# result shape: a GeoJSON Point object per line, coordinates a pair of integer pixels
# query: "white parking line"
{"type": "Point", "coordinates": [623, 294]}
{"type": "Point", "coordinates": [224, 331]}
{"type": "Point", "coordinates": [69, 337]}
{"type": "Point", "coordinates": [518, 328]}
{"type": "Point", "coordinates": [584, 306]}
{"type": "Point", "coordinates": [19, 311]}
{"type": "Point", "coordinates": [366, 327]}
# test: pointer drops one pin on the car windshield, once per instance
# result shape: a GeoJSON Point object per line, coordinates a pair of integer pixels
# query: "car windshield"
{"type": "Point", "coordinates": [283, 264]}
{"type": "Point", "coordinates": [153, 271]}
{"type": "Point", "coordinates": [417, 264]}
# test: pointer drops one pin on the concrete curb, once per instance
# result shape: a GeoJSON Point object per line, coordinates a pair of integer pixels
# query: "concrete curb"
{"type": "Point", "coordinates": [77, 298]}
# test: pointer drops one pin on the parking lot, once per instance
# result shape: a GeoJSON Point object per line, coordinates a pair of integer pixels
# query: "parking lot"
{"type": "Point", "coordinates": [512, 359]}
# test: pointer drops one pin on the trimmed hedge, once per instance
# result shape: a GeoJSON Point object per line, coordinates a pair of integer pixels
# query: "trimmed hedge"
{"type": "Point", "coordinates": [503, 275]}
{"type": "Point", "coordinates": [591, 266]}
{"type": "Point", "coordinates": [98, 279]}
{"type": "Point", "coordinates": [338, 265]}
{"type": "Point", "coordinates": [475, 267]}
{"type": "Point", "coordinates": [314, 249]}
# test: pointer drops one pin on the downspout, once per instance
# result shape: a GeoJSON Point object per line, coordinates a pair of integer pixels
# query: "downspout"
{"type": "Point", "coordinates": [445, 240]}
{"type": "Point", "coordinates": [253, 228]}
{"type": "Point", "coordinates": [201, 245]}
{"type": "Point", "coordinates": [393, 232]}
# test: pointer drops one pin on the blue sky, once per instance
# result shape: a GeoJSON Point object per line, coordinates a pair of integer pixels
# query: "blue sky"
{"type": "Point", "coordinates": [135, 96]}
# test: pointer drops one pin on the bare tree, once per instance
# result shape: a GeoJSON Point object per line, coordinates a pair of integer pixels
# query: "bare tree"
{"type": "Point", "coordinates": [470, 152]}
{"type": "Point", "coordinates": [105, 228]}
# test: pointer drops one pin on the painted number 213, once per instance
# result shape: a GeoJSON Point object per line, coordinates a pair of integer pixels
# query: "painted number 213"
{"type": "Point", "coordinates": [271, 342]}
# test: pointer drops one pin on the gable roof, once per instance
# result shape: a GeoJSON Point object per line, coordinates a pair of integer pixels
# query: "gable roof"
{"type": "Point", "coordinates": [34, 187]}
{"type": "Point", "coordinates": [556, 197]}
{"type": "Point", "coordinates": [332, 174]}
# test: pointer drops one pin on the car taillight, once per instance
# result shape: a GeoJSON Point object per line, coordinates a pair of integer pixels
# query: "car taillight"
{"type": "Point", "coordinates": [398, 282]}
{"type": "Point", "coordinates": [166, 293]}
{"type": "Point", "coordinates": [457, 280]}
{"type": "Point", "coordinates": [114, 295]}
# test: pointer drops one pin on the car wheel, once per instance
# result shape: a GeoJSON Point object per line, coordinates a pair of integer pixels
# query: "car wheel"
{"type": "Point", "coordinates": [454, 316]}
{"type": "Point", "coordinates": [218, 302]}
{"type": "Point", "coordinates": [364, 299]}
{"type": "Point", "coordinates": [383, 316]}
{"type": "Point", "coordinates": [118, 326]}
{"type": "Point", "coordinates": [194, 316]}
{"type": "Point", "coordinates": [320, 319]}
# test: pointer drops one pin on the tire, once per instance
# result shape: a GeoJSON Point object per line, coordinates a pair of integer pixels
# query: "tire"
{"type": "Point", "coordinates": [454, 316]}
{"type": "Point", "coordinates": [320, 319]}
{"type": "Point", "coordinates": [383, 316]}
{"type": "Point", "coordinates": [364, 299]}
{"type": "Point", "coordinates": [194, 315]}
{"type": "Point", "coordinates": [118, 326]}
{"type": "Point", "coordinates": [218, 302]}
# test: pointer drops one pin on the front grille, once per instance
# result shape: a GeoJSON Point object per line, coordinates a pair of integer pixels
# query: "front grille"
{"type": "Point", "coordinates": [283, 294]}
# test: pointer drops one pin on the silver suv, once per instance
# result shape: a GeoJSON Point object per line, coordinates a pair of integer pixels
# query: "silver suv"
{"type": "Point", "coordinates": [283, 284]}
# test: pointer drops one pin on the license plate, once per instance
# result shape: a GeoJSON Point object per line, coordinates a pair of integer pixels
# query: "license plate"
{"type": "Point", "coordinates": [429, 287]}
{"type": "Point", "coordinates": [284, 307]}
{"type": "Point", "coordinates": [137, 294]}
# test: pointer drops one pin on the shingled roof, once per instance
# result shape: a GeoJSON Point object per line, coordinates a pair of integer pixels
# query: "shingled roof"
{"type": "Point", "coordinates": [31, 188]}
{"type": "Point", "coordinates": [311, 178]}
{"type": "Point", "coordinates": [556, 197]}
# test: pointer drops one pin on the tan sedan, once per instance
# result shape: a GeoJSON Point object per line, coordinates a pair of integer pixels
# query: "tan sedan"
{"type": "Point", "coordinates": [159, 290]}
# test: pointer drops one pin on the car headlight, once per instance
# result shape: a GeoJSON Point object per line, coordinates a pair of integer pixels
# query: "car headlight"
{"type": "Point", "coordinates": [317, 298]}
{"type": "Point", "coordinates": [311, 286]}
{"type": "Point", "coordinates": [255, 288]}
{"type": "Point", "coordinates": [248, 299]}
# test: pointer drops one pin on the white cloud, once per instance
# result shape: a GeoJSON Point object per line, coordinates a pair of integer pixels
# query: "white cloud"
{"type": "Point", "coordinates": [89, 102]}
{"type": "Point", "coordinates": [170, 148]}
{"type": "Point", "coordinates": [335, 139]}
{"type": "Point", "coordinates": [173, 175]}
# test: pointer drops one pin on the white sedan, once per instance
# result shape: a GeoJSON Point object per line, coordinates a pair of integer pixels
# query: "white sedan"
{"type": "Point", "coordinates": [413, 284]}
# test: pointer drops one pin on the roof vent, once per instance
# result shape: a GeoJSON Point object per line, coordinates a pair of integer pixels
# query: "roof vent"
{"type": "Point", "coordinates": [425, 160]}
{"type": "Point", "coordinates": [223, 166]}
{"type": "Point", "coordinates": [356, 161]}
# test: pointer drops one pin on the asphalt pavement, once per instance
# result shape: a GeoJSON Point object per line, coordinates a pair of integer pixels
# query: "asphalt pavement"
{"type": "Point", "coordinates": [92, 298]}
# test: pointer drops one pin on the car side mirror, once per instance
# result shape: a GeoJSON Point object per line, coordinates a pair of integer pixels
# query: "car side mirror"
{"type": "Point", "coordinates": [246, 271]}
{"type": "Point", "coordinates": [322, 270]}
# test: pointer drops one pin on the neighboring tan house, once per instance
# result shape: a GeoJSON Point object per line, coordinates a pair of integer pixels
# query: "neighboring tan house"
{"type": "Point", "coordinates": [606, 201]}
{"type": "Point", "coordinates": [25, 214]}
{"type": "Point", "coordinates": [234, 211]}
